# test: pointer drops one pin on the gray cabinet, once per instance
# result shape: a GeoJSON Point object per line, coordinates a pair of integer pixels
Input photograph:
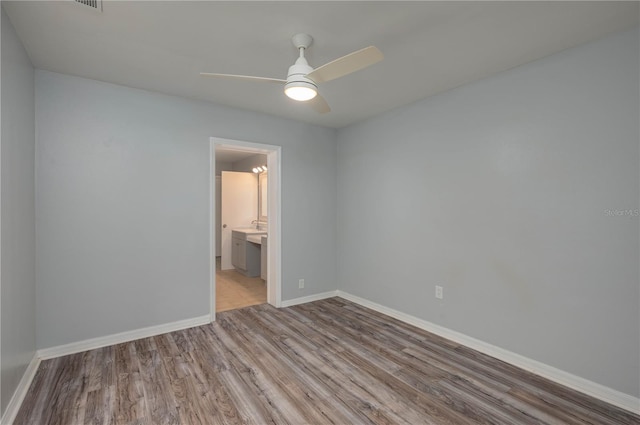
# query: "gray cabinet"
{"type": "Point", "coordinates": [263, 258]}
{"type": "Point", "coordinates": [239, 253]}
{"type": "Point", "coordinates": [245, 255]}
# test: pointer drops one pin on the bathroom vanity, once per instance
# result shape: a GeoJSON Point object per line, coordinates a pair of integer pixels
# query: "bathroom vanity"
{"type": "Point", "coordinates": [246, 251]}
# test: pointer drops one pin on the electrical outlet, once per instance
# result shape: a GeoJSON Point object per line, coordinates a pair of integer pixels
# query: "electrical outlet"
{"type": "Point", "coordinates": [300, 283]}
{"type": "Point", "coordinates": [439, 294]}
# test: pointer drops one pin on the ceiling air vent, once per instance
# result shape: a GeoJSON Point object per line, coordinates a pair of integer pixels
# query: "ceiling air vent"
{"type": "Point", "coordinates": [95, 4]}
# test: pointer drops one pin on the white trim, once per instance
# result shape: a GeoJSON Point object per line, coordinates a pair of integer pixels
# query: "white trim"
{"type": "Point", "coordinates": [309, 298]}
{"type": "Point", "coordinates": [577, 383]}
{"type": "Point", "coordinates": [21, 391]}
{"type": "Point", "coordinates": [274, 220]}
{"type": "Point", "coordinates": [274, 217]}
{"type": "Point", "coordinates": [212, 231]}
{"type": "Point", "coordinates": [103, 341]}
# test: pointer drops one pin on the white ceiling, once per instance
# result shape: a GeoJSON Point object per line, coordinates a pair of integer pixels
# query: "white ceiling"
{"type": "Point", "coordinates": [429, 47]}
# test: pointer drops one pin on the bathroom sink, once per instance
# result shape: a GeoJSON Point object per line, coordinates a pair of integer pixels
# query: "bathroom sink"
{"type": "Point", "coordinates": [251, 231]}
{"type": "Point", "coordinates": [244, 233]}
{"type": "Point", "coordinates": [255, 238]}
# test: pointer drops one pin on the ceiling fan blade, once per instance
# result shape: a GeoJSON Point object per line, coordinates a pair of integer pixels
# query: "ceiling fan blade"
{"type": "Point", "coordinates": [243, 77]}
{"type": "Point", "coordinates": [319, 104]}
{"type": "Point", "coordinates": [346, 65]}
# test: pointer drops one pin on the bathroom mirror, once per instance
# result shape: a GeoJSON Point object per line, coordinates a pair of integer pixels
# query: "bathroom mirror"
{"type": "Point", "coordinates": [262, 197]}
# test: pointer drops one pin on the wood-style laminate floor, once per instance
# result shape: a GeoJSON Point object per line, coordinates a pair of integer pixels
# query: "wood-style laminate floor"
{"type": "Point", "coordinates": [326, 362]}
{"type": "Point", "coordinates": [233, 290]}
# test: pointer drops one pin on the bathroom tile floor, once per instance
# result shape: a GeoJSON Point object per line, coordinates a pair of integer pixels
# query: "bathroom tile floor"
{"type": "Point", "coordinates": [233, 290]}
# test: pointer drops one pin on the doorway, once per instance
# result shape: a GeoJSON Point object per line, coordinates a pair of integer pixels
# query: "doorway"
{"type": "Point", "coordinates": [271, 220]}
{"type": "Point", "coordinates": [241, 251]}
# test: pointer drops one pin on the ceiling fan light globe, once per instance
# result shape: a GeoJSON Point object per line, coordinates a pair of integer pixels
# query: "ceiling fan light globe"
{"type": "Point", "coordinates": [300, 91]}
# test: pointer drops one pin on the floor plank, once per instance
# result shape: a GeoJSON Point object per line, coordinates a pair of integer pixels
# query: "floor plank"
{"type": "Point", "coordinates": [326, 362]}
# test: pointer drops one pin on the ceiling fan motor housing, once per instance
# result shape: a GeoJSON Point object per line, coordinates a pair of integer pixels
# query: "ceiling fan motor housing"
{"type": "Point", "coordinates": [298, 85]}
{"type": "Point", "coordinates": [298, 74]}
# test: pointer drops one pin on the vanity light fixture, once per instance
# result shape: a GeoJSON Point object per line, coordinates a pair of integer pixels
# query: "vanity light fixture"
{"type": "Point", "coordinates": [260, 169]}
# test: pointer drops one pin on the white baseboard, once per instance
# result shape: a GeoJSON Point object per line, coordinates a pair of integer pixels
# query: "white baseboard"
{"type": "Point", "coordinates": [21, 391]}
{"type": "Point", "coordinates": [577, 383]}
{"type": "Point", "coordinates": [309, 298]}
{"type": "Point", "coordinates": [103, 341]}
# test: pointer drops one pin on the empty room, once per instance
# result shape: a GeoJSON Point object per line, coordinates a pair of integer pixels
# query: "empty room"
{"type": "Point", "coordinates": [295, 212]}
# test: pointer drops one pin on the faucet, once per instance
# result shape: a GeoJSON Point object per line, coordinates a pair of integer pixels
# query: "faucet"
{"type": "Point", "coordinates": [256, 223]}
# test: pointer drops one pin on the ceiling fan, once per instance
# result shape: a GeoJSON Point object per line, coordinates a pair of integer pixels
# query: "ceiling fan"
{"type": "Point", "coordinates": [302, 80]}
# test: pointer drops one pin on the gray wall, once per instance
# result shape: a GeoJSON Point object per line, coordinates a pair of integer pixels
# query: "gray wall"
{"type": "Point", "coordinates": [223, 166]}
{"type": "Point", "coordinates": [17, 217]}
{"type": "Point", "coordinates": [123, 205]}
{"type": "Point", "coordinates": [500, 192]}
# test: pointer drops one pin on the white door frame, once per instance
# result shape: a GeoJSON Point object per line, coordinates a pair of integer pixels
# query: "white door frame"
{"type": "Point", "coordinates": [274, 155]}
